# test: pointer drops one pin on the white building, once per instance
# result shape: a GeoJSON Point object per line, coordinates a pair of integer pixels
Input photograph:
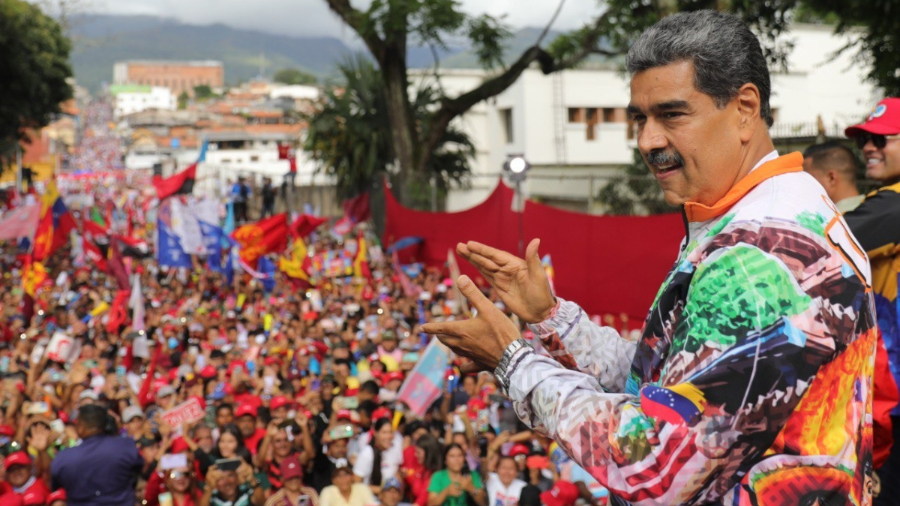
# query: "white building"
{"type": "Point", "coordinates": [573, 129]}
{"type": "Point", "coordinates": [130, 99]}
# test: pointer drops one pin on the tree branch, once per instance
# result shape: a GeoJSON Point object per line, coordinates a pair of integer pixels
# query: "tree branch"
{"type": "Point", "coordinates": [451, 108]}
{"type": "Point", "coordinates": [552, 20]}
{"type": "Point", "coordinates": [354, 19]}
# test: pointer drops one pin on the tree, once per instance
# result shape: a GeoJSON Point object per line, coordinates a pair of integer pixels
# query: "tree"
{"type": "Point", "coordinates": [203, 92]}
{"type": "Point", "coordinates": [34, 65]}
{"type": "Point", "coordinates": [634, 192]}
{"type": "Point", "coordinates": [183, 100]}
{"type": "Point", "coordinates": [294, 76]}
{"type": "Point", "coordinates": [349, 135]}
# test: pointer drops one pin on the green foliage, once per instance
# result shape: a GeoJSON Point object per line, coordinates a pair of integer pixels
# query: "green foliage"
{"type": "Point", "coordinates": [34, 65]}
{"type": "Point", "coordinates": [294, 76]}
{"type": "Point", "coordinates": [349, 135]}
{"type": "Point", "coordinates": [203, 92]}
{"type": "Point", "coordinates": [487, 35]}
{"type": "Point", "coordinates": [183, 100]}
{"type": "Point", "coordinates": [635, 192]}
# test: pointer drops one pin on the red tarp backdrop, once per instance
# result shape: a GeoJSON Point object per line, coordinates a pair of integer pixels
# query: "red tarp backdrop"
{"type": "Point", "coordinates": [607, 264]}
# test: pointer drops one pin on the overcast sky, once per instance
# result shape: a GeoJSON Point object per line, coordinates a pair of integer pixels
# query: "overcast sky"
{"type": "Point", "coordinates": [312, 17]}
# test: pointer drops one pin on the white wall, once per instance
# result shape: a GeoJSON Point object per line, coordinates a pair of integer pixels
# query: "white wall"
{"type": "Point", "coordinates": [132, 102]}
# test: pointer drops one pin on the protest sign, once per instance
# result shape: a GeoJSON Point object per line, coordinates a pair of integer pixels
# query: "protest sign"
{"type": "Point", "coordinates": [186, 412]}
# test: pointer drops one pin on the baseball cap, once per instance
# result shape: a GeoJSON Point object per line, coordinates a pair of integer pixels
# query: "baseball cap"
{"type": "Point", "coordinates": [290, 468]}
{"type": "Point", "coordinates": [883, 120]}
{"type": "Point", "coordinates": [164, 391]}
{"type": "Point", "coordinates": [563, 493]}
{"type": "Point", "coordinates": [245, 410]}
{"type": "Point", "coordinates": [16, 459]}
{"type": "Point", "coordinates": [278, 401]}
{"type": "Point", "coordinates": [89, 394]}
{"type": "Point", "coordinates": [518, 449]}
{"type": "Point", "coordinates": [130, 413]}
{"type": "Point", "coordinates": [392, 482]}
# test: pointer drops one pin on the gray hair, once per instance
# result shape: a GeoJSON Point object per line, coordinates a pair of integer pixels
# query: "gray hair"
{"type": "Point", "coordinates": [725, 53]}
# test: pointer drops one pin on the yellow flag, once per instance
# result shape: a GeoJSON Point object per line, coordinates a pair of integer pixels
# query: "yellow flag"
{"type": "Point", "coordinates": [293, 265]}
{"type": "Point", "coordinates": [32, 277]}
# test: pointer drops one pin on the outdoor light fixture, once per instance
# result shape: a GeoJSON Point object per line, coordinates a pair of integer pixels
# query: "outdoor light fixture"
{"type": "Point", "coordinates": [516, 166]}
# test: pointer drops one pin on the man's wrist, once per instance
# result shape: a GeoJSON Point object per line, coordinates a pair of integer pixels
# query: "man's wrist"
{"type": "Point", "coordinates": [511, 356]}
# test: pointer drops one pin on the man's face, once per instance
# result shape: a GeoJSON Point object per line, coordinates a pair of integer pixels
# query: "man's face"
{"type": "Point", "coordinates": [203, 437]}
{"type": "Point", "coordinates": [247, 425]}
{"type": "Point", "coordinates": [882, 164]}
{"type": "Point", "coordinates": [692, 147]}
{"type": "Point", "coordinates": [18, 475]}
{"type": "Point", "coordinates": [390, 497]}
{"type": "Point", "coordinates": [224, 417]}
{"type": "Point", "coordinates": [338, 449]}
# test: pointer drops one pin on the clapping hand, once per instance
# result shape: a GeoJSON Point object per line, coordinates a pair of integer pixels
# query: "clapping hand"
{"type": "Point", "coordinates": [521, 284]}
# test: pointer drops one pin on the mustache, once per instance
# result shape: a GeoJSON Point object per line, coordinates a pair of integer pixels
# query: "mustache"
{"type": "Point", "coordinates": [662, 157]}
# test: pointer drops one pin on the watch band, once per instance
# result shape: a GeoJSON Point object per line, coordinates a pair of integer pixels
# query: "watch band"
{"type": "Point", "coordinates": [506, 362]}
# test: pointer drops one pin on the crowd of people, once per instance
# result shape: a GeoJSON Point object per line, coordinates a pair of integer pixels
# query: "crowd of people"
{"type": "Point", "coordinates": [299, 392]}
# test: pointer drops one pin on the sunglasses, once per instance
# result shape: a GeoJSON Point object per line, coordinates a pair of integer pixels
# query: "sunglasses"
{"type": "Point", "coordinates": [879, 141]}
{"type": "Point", "coordinates": [177, 475]}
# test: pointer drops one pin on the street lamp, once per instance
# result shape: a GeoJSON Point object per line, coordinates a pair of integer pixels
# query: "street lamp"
{"type": "Point", "coordinates": [517, 167]}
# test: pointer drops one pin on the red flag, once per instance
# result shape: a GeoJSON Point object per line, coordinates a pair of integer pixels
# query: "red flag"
{"type": "Point", "coordinates": [95, 256]}
{"type": "Point", "coordinates": [54, 225]}
{"type": "Point", "coordinates": [117, 267]}
{"type": "Point", "coordinates": [118, 312]}
{"type": "Point", "coordinates": [306, 224]}
{"type": "Point", "coordinates": [265, 236]}
{"type": "Point", "coordinates": [181, 183]}
{"type": "Point", "coordinates": [284, 151]}
{"type": "Point", "coordinates": [409, 289]}
{"type": "Point", "coordinates": [357, 208]}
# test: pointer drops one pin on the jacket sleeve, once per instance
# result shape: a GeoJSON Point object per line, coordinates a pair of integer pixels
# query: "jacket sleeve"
{"type": "Point", "coordinates": [578, 344]}
{"type": "Point", "coordinates": [666, 443]}
{"type": "Point", "coordinates": [867, 222]}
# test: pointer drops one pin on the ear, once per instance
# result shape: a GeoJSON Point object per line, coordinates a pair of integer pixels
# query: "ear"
{"type": "Point", "coordinates": [748, 104]}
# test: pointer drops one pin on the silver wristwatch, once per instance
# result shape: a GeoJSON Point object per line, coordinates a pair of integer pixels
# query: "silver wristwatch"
{"type": "Point", "coordinates": [502, 370]}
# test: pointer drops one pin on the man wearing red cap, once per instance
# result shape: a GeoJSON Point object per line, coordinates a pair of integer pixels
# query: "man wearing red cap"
{"type": "Point", "coordinates": [293, 492]}
{"type": "Point", "coordinates": [245, 416]}
{"type": "Point", "coordinates": [875, 225]}
{"type": "Point", "coordinates": [563, 493]}
{"type": "Point", "coordinates": [20, 477]}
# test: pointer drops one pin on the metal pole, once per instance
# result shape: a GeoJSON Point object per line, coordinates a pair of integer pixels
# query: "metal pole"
{"type": "Point", "coordinates": [433, 195]}
{"type": "Point", "coordinates": [521, 206]}
{"type": "Point", "coordinates": [590, 207]}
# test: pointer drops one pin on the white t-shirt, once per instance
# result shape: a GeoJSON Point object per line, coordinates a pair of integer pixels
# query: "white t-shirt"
{"type": "Point", "coordinates": [500, 495]}
{"type": "Point", "coordinates": [391, 460]}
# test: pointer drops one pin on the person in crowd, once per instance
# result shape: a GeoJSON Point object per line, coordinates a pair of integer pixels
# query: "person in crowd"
{"type": "Point", "coordinates": [700, 92]}
{"type": "Point", "coordinates": [835, 167]}
{"type": "Point", "coordinates": [381, 458]}
{"type": "Point", "coordinates": [113, 461]}
{"type": "Point", "coordinates": [22, 481]}
{"type": "Point", "coordinates": [232, 487]}
{"type": "Point", "coordinates": [428, 459]}
{"type": "Point", "coordinates": [877, 138]}
{"type": "Point", "coordinates": [268, 194]}
{"type": "Point", "coordinates": [503, 486]}
{"type": "Point", "coordinates": [179, 483]}
{"type": "Point", "coordinates": [345, 492]}
{"type": "Point", "coordinates": [292, 491]}
{"type": "Point", "coordinates": [391, 493]}
{"type": "Point", "coordinates": [246, 418]}
{"type": "Point", "coordinates": [454, 485]}
{"type": "Point", "coordinates": [332, 456]}
{"type": "Point", "coordinates": [563, 493]}
{"type": "Point", "coordinates": [240, 197]}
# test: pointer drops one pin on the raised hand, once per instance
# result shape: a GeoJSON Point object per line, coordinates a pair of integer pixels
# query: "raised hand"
{"type": "Point", "coordinates": [481, 339]}
{"type": "Point", "coordinates": [521, 284]}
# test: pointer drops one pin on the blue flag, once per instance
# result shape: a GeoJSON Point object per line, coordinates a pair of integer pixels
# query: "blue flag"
{"type": "Point", "coordinates": [228, 227]}
{"type": "Point", "coordinates": [267, 267]}
{"type": "Point", "coordinates": [170, 252]}
{"type": "Point", "coordinates": [214, 238]}
{"type": "Point", "coordinates": [229, 266]}
{"type": "Point", "coordinates": [202, 157]}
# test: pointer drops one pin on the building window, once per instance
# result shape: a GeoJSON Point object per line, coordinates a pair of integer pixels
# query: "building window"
{"type": "Point", "coordinates": [254, 158]}
{"type": "Point", "coordinates": [226, 160]}
{"type": "Point", "coordinates": [576, 115]}
{"type": "Point", "coordinates": [507, 118]}
{"type": "Point", "coordinates": [609, 115]}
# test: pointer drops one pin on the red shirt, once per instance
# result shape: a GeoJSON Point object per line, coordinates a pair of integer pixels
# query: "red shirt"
{"type": "Point", "coordinates": [35, 494]}
{"type": "Point", "coordinates": [252, 442]}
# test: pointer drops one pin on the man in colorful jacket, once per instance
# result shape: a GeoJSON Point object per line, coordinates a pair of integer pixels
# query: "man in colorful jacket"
{"type": "Point", "coordinates": [751, 383]}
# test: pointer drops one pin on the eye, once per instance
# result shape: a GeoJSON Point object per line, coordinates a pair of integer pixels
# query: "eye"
{"type": "Point", "coordinates": [672, 114]}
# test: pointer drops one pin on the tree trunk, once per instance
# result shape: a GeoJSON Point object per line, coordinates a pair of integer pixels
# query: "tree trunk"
{"type": "Point", "coordinates": [403, 128]}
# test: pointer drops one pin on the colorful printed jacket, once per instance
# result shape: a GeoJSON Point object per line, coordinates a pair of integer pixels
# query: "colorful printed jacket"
{"type": "Point", "coordinates": [751, 383]}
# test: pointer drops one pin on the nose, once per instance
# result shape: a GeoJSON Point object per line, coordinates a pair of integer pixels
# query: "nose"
{"type": "Point", "coordinates": [650, 137]}
{"type": "Point", "coordinates": [869, 147]}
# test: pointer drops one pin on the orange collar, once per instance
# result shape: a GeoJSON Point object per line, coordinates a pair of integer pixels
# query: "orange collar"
{"type": "Point", "coordinates": [791, 162]}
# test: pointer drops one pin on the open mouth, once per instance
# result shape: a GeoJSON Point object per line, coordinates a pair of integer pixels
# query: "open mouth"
{"type": "Point", "coordinates": [667, 169]}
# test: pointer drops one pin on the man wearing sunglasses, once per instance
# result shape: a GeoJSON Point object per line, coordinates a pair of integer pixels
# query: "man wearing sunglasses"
{"type": "Point", "coordinates": [876, 225]}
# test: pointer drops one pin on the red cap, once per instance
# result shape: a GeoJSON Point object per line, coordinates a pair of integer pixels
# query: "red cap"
{"type": "Point", "coordinates": [290, 468]}
{"type": "Point", "coordinates": [271, 361]}
{"type": "Point", "coordinates": [245, 409]}
{"type": "Point", "coordinates": [16, 459]}
{"type": "Point", "coordinates": [518, 449]}
{"type": "Point", "coordinates": [208, 372]}
{"type": "Point", "coordinates": [391, 376]}
{"type": "Point", "coordinates": [344, 414]}
{"type": "Point", "coordinates": [279, 401]}
{"type": "Point", "coordinates": [563, 493]}
{"type": "Point", "coordinates": [7, 430]}
{"type": "Point", "coordinates": [179, 446]}
{"type": "Point", "coordinates": [883, 120]}
{"type": "Point", "coordinates": [381, 413]}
